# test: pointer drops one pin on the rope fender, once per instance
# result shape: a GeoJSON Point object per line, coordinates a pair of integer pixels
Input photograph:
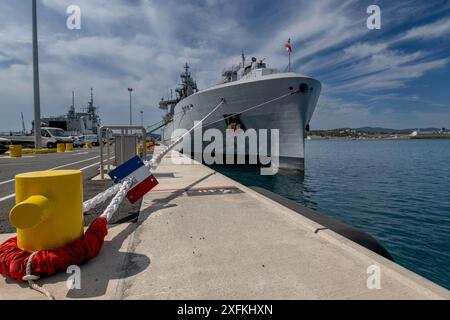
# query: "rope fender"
{"type": "Point", "coordinates": [13, 261]}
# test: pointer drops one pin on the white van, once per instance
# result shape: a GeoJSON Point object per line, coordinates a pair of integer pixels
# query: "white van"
{"type": "Point", "coordinates": [93, 138]}
{"type": "Point", "coordinates": [52, 136]}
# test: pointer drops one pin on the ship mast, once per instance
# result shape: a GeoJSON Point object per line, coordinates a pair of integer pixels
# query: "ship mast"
{"type": "Point", "coordinates": [23, 124]}
{"type": "Point", "coordinates": [187, 87]}
{"type": "Point", "coordinates": [92, 97]}
{"type": "Point", "coordinates": [72, 107]}
{"type": "Point", "coordinates": [91, 107]}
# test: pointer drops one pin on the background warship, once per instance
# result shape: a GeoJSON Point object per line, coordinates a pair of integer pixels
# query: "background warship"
{"type": "Point", "coordinates": [76, 123]}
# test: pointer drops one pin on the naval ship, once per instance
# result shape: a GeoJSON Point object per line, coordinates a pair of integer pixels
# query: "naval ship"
{"type": "Point", "coordinates": [76, 123]}
{"type": "Point", "coordinates": [245, 85]}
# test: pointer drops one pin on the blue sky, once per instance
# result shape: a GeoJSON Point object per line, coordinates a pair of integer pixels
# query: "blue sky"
{"type": "Point", "coordinates": [396, 77]}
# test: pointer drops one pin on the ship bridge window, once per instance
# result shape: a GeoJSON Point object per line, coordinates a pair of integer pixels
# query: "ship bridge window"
{"type": "Point", "coordinates": [303, 88]}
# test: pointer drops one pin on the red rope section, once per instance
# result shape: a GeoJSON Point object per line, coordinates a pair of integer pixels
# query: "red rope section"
{"type": "Point", "coordinates": [13, 261]}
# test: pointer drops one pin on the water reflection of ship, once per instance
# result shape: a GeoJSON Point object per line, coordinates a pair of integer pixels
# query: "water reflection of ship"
{"type": "Point", "coordinates": [85, 122]}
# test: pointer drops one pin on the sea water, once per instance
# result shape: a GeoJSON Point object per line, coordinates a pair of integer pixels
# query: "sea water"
{"type": "Point", "coordinates": [395, 190]}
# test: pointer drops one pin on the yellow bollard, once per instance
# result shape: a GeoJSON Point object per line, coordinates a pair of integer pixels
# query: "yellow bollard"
{"type": "Point", "coordinates": [15, 151]}
{"type": "Point", "coordinates": [61, 147]}
{"type": "Point", "coordinates": [140, 151]}
{"type": "Point", "coordinates": [49, 209]}
{"type": "Point", "coordinates": [69, 147]}
{"type": "Point", "coordinates": [88, 145]}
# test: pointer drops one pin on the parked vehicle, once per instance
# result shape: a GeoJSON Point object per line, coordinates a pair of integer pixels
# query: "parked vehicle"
{"type": "Point", "coordinates": [78, 142]}
{"type": "Point", "coordinates": [91, 138]}
{"type": "Point", "coordinates": [4, 145]}
{"type": "Point", "coordinates": [52, 136]}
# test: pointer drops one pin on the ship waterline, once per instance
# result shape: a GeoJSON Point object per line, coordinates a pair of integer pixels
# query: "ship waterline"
{"type": "Point", "coordinates": [287, 100]}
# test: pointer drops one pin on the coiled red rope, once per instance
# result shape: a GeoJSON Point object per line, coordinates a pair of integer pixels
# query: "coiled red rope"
{"type": "Point", "coordinates": [13, 261]}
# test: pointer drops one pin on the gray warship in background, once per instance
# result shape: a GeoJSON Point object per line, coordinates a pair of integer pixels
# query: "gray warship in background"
{"type": "Point", "coordinates": [245, 85]}
{"type": "Point", "coordinates": [76, 123]}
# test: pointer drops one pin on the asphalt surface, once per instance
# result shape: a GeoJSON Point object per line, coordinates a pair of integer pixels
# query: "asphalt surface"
{"type": "Point", "coordinates": [87, 161]}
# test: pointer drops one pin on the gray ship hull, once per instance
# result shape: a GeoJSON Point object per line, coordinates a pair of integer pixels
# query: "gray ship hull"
{"type": "Point", "coordinates": [290, 115]}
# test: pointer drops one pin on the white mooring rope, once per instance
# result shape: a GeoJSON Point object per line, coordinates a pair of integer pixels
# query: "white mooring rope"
{"type": "Point", "coordinates": [252, 108]}
{"type": "Point", "coordinates": [118, 199]}
{"type": "Point", "coordinates": [100, 198]}
{"type": "Point", "coordinates": [31, 279]}
{"type": "Point", "coordinates": [155, 161]}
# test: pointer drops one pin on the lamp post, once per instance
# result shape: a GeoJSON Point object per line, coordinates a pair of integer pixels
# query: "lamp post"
{"type": "Point", "coordinates": [130, 90]}
{"type": "Point", "coordinates": [142, 118]}
{"type": "Point", "coordinates": [37, 103]}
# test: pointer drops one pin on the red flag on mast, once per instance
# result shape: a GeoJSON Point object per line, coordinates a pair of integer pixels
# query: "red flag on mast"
{"type": "Point", "coordinates": [288, 46]}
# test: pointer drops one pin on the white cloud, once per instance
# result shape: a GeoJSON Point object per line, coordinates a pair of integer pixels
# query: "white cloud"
{"type": "Point", "coordinates": [393, 77]}
{"type": "Point", "coordinates": [363, 50]}
{"type": "Point", "coordinates": [438, 29]}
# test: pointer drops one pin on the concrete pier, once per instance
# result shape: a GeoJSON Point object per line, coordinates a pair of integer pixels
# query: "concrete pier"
{"type": "Point", "coordinates": [201, 235]}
